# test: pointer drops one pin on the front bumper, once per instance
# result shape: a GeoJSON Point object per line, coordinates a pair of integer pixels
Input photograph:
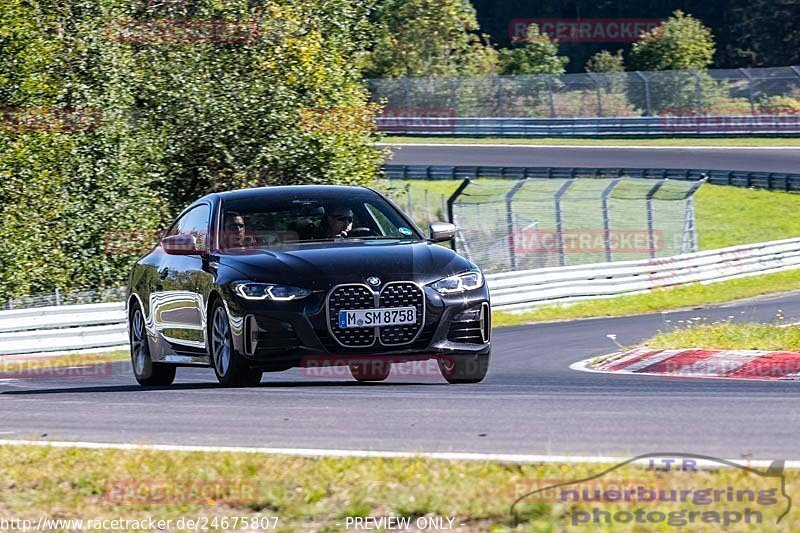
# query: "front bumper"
{"type": "Point", "coordinates": [276, 333]}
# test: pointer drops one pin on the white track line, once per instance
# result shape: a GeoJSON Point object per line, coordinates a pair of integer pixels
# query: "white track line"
{"type": "Point", "coordinates": [593, 146]}
{"type": "Point", "coordinates": [313, 452]}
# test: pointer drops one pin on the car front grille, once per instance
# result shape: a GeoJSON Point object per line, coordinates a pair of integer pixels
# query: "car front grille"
{"type": "Point", "coordinates": [395, 294]}
{"type": "Point", "coordinates": [350, 297]}
{"type": "Point", "coordinates": [402, 295]}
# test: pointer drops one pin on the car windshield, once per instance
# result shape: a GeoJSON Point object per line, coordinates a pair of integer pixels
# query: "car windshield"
{"type": "Point", "coordinates": [269, 220]}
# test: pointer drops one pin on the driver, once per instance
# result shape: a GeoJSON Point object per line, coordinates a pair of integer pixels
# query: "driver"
{"type": "Point", "coordinates": [337, 222]}
{"type": "Point", "coordinates": [235, 231]}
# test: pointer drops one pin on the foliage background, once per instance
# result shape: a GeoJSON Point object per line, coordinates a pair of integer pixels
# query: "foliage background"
{"type": "Point", "coordinates": [178, 120]}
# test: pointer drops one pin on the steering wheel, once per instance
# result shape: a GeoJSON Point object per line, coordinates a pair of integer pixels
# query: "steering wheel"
{"type": "Point", "coordinates": [360, 232]}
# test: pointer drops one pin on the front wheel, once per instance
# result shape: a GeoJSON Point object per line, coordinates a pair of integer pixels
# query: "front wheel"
{"type": "Point", "coordinates": [464, 369]}
{"type": "Point", "coordinates": [146, 372]}
{"type": "Point", "coordinates": [230, 368]}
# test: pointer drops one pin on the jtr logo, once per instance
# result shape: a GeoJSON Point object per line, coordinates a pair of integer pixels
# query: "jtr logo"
{"type": "Point", "coordinates": [666, 465]}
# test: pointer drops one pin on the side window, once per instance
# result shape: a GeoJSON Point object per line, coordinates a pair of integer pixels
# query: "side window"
{"type": "Point", "coordinates": [195, 222]}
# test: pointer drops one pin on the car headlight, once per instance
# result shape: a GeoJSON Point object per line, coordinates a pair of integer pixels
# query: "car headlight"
{"type": "Point", "coordinates": [267, 291]}
{"type": "Point", "coordinates": [466, 281]}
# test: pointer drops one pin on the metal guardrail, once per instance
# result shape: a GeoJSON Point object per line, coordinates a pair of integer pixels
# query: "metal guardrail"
{"type": "Point", "coordinates": [62, 328]}
{"type": "Point", "coordinates": [689, 125]}
{"type": "Point", "coordinates": [514, 291]}
{"type": "Point", "coordinates": [737, 178]}
{"type": "Point", "coordinates": [76, 327]}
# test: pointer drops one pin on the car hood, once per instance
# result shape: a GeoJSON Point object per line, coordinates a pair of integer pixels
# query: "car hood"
{"type": "Point", "coordinates": [322, 265]}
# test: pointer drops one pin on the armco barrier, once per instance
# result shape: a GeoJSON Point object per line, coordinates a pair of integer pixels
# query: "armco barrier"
{"type": "Point", "coordinates": [689, 126]}
{"type": "Point", "coordinates": [737, 178]}
{"type": "Point", "coordinates": [62, 328]}
{"type": "Point", "coordinates": [527, 289]}
{"type": "Point", "coordinates": [103, 325]}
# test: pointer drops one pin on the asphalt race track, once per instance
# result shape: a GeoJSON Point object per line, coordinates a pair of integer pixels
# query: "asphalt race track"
{"type": "Point", "coordinates": [752, 159]}
{"type": "Point", "coordinates": [531, 402]}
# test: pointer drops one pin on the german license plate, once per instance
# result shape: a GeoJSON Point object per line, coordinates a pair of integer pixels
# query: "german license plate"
{"type": "Point", "coordinates": [366, 318]}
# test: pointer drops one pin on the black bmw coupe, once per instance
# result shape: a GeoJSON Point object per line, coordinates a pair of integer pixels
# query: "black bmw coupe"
{"type": "Point", "coordinates": [267, 279]}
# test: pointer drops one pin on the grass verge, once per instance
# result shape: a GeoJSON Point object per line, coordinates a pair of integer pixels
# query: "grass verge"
{"type": "Point", "coordinates": [659, 300]}
{"type": "Point", "coordinates": [730, 336]}
{"type": "Point", "coordinates": [320, 494]}
{"type": "Point", "coordinates": [560, 141]}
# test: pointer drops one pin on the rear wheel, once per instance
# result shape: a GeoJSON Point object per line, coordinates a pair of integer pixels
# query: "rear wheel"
{"type": "Point", "coordinates": [464, 369]}
{"type": "Point", "coordinates": [367, 370]}
{"type": "Point", "coordinates": [231, 369]}
{"type": "Point", "coordinates": [146, 372]}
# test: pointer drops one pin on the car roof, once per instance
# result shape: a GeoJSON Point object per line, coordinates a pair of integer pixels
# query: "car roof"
{"type": "Point", "coordinates": [280, 190]}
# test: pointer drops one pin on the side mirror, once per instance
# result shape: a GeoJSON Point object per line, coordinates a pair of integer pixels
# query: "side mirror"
{"type": "Point", "coordinates": [442, 231]}
{"type": "Point", "coordinates": [181, 244]}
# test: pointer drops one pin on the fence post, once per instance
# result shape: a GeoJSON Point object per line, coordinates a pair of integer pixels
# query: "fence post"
{"type": "Point", "coordinates": [451, 201]}
{"type": "Point", "coordinates": [58, 297]}
{"type": "Point", "coordinates": [501, 100]}
{"type": "Point", "coordinates": [650, 222]}
{"type": "Point", "coordinates": [409, 206]}
{"type": "Point", "coordinates": [749, 90]}
{"type": "Point", "coordinates": [453, 95]}
{"type": "Point", "coordinates": [606, 218]}
{"type": "Point", "coordinates": [427, 206]}
{"type": "Point", "coordinates": [649, 111]}
{"type": "Point", "coordinates": [550, 96]}
{"type": "Point", "coordinates": [510, 222]}
{"type": "Point", "coordinates": [699, 91]}
{"type": "Point", "coordinates": [407, 89]}
{"type": "Point", "coordinates": [599, 95]}
{"type": "Point", "coordinates": [560, 221]}
{"type": "Point", "coordinates": [10, 303]}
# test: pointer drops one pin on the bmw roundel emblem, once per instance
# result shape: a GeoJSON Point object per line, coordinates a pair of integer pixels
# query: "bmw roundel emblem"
{"type": "Point", "coordinates": [374, 281]}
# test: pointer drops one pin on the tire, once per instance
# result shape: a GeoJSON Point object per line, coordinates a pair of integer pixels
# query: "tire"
{"type": "Point", "coordinates": [146, 372]}
{"type": "Point", "coordinates": [464, 369]}
{"type": "Point", "coordinates": [370, 369]}
{"type": "Point", "coordinates": [231, 369]}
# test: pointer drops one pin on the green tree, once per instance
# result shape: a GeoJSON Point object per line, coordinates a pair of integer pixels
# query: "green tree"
{"type": "Point", "coordinates": [605, 61]}
{"type": "Point", "coordinates": [680, 42]}
{"type": "Point", "coordinates": [536, 54]}
{"type": "Point", "coordinates": [428, 38]}
{"type": "Point", "coordinates": [179, 120]}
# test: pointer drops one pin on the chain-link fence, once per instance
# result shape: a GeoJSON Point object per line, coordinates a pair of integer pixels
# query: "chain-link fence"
{"type": "Point", "coordinates": [536, 223]}
{"type": "Point", "coordinates": [58, 297]}
{"type": "Point", "coordinates": [421, 203]}
{"type": "Point", "coordinates": [772, 91]}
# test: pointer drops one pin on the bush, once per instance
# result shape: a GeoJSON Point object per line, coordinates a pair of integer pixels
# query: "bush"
{"type": "Point", "coordinates": [780, 105]}
{"type": "Point", "coordinates": [681, 42]}
{"type": "Point", "coordinates": [605, 61]}
{"type": "Point", "coordinates": [536, 54]}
